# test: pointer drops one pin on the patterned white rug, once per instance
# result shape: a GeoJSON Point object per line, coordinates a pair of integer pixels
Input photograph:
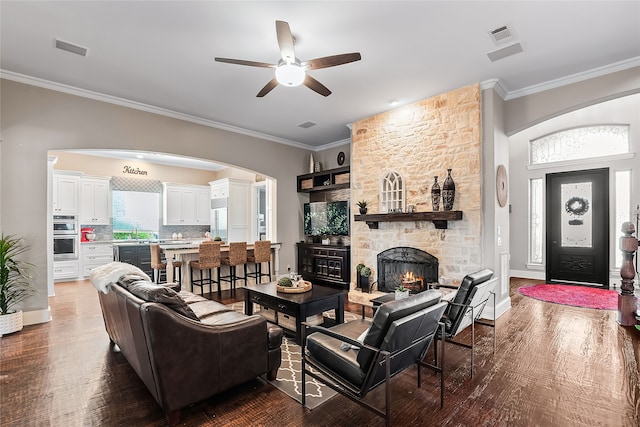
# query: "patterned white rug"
{"type": "Point", "coordinates": [289, 378]}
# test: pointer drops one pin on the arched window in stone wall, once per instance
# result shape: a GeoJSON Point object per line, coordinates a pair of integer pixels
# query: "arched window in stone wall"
{"type": "Point", "coordinates": [392, 193]}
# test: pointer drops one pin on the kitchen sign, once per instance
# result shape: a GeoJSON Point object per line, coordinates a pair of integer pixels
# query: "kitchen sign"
{"type": "Point", "coordinates": [133, 171]}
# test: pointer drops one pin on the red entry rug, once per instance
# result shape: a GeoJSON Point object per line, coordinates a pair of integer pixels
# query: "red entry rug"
{"type": "Point", "coordinates": [577, 296]}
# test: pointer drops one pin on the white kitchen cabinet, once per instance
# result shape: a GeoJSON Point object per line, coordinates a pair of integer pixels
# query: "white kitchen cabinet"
{"type": "Point", "coordinates": [219, 189]}
{"type": "Point", "coordinates": [95, 208]}
{"type": "Point", "coordinates": [233, 203]}
{"type": "Point", "coordinates": [94, 255]}
{"type": "Point", "coordinates": [203, 206]}
{"type": "Point", "coordinates": [181, 204]}
{"type": "Point", "coordinates": [66, 193]}
{"type": "Point", "coordinates": [66, 270]}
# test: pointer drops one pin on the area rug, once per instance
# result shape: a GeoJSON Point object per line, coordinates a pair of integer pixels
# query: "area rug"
{"type": "Point", "coordinates": [576, 296]}
{"type": "Point", "coordinates": [289, 378]}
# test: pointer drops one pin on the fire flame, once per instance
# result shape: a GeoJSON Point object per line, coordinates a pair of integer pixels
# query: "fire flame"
{"type": "Point", "coordinates": [410, 277]}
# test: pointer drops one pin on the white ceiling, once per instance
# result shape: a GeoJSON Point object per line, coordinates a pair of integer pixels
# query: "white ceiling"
{"type": "Point", "coordinates": [160, 54]}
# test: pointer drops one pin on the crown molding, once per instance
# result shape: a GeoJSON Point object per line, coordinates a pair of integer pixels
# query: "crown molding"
{"type": "Point", "coordinates": [333, 145]}
{"type": "Point", "coordinates": [71, 90]}
{"type": "Point", "coordinates": [575, 78]}
{"type": "Point", "coordinates": [495, 84]}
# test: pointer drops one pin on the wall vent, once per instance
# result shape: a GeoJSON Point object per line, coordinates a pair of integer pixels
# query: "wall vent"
{"type": "Point", "coordinates": [78, 50]}
{"type": "Point", "coordinates": [307, 124]}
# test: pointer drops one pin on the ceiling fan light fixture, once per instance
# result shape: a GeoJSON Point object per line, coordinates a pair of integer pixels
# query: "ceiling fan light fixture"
{"type": "Point", "coordinates": [290, 74]}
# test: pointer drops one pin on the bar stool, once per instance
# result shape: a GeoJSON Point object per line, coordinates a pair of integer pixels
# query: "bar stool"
{"type": "Point", "coordinates": [208, 259]}
{"type": "Point", "coordinates": [160, 267]}
{"type": "Point", "coordinates": [261, 253]}
{"type": "Point", "coordinates": [237, 256]}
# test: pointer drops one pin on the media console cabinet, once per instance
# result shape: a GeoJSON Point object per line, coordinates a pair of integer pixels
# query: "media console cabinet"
{"type": "Point", "coordinates": [325, 264]}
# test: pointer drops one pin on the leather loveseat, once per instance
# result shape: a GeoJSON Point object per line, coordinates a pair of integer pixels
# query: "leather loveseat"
{"type": "Point", "coordinates": [184, 347]}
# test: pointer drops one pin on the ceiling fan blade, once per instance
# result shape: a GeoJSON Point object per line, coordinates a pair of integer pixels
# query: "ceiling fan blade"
{"type": "Point", "coordinates": [243, 62]}
{"type": "Point", "coordinates": [267, 88]}
{"type": "Point", "coordinates": [285, 42]}
{"type": "Point", "coordinates": [332, 61]}
{"type": "Point", "coordinates": [316, 86]}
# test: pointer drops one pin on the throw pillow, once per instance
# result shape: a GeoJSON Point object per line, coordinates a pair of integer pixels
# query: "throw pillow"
{"type": "Point", "coordinates": [163, 295]}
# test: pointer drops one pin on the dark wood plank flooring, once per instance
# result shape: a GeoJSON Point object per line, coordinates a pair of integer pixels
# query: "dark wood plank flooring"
{"type": "Point", "coordinates": [555, 366]}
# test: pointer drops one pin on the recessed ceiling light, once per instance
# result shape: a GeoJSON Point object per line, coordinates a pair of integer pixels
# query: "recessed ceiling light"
{"type": "Point", "coordinates": [394, 102]}
{"type": "Point", "coordinates": [140, 156]}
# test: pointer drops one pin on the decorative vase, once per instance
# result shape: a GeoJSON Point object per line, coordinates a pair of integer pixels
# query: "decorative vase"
{"type": "Point", "coordinates": [312, 163]}
{"type": "Point", "coordinates": [11, 322]}
{"type": "Point", "coordinates": [448, 192]}
{"type": "Point", "coordinates": [363, 211]}
{"type": "Point", "coordinates": [435, 194]}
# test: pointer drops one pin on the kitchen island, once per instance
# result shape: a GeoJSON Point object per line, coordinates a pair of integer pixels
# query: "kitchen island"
{"type": "Point", "coordinates": [188, 251]}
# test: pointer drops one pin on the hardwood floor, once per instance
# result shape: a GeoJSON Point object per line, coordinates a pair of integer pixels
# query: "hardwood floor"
{"type": "Point", "coordinates": [554, 366]}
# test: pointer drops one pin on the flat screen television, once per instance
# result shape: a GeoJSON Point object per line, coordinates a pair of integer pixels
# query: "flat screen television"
{"type": "Point", "coordinates": [326, 218]}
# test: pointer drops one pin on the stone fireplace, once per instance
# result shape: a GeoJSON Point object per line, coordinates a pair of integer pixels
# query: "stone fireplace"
{"type": "Point", "coordinates": [413, 268]}
{"type": "Point", "coordinates": [420, 141]}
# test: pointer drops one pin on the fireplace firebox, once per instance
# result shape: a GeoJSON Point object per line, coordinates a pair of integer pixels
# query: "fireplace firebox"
{"type": "Point", "coordinates": [411, 267]}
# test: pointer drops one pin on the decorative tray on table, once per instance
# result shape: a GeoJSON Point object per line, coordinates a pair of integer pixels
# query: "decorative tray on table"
{"type": "Point", "coordinates": [298, 287]}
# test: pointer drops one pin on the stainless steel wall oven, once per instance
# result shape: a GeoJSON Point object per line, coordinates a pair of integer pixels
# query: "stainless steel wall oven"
{"type": "Point", "coordinates": [65, 237]}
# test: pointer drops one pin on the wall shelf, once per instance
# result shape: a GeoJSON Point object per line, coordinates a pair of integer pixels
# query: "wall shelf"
{"type": "Point", "coordinates": [332, 179]}
{"type": "Point", "coordinates": [440, 219]}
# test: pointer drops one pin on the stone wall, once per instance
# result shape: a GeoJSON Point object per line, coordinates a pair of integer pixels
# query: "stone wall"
{"type": "Point", "coordinates": [420, 141]}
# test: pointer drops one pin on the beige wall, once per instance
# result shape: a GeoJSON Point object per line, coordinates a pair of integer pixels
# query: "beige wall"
{"type": "Point", "coordinates": [37, 120]}
{"type": "Point", "coordinates": [495, 218]}
{"type": "Point", "coordinates": [329, 156]}
{"type": "Point", "coordinates": [420, 141]}
{"type": "Point", "coordinates": [104, 166]}
{"type": "Point", "coordinates": [525, 111]}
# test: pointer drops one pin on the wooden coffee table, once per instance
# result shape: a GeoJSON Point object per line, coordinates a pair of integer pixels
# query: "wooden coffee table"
{"type": "Point", "coordinates": [300, 306]}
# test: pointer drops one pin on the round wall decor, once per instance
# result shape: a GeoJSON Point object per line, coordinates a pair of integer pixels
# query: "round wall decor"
{"type": "Point", "coordinates": [502, 186]}
{"type": "Point", "coordinates": [341, 158]}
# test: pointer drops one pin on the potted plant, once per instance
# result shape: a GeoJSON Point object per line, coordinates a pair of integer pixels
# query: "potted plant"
{"type": "Point", "coordinates": [402, 292]}
{"type": "Point", "coordinates": [365, 274]}
{"type": "Point", "coordinates": [362, 204]}
{"type": "Point", "coordinates": [15, 282]}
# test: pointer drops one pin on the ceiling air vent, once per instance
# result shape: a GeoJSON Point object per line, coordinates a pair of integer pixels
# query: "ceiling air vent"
{"type": "Point", "coordinates": [503, 52]}
{"type": "Point", "coordinates": [78, 50]}
{"type": "Point", "coordinates": [307, 125]}
{"type": "Point", "coordinates": [501, 35]}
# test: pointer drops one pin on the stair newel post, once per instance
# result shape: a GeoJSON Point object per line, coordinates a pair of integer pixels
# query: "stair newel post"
{"type": "Point", "coordinates": [627, 298]}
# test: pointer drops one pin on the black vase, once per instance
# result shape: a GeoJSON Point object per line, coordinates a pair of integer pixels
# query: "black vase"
{"type": "Point", "coordinates": [435, 194]}
{"type": "Point", "coordinates": [363, 211]}
{"type": "Point", "coordinates": [448, 192]}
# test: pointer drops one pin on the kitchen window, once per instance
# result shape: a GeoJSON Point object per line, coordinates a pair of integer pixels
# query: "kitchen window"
{"type": "Point", "coordinates": [136, 214]}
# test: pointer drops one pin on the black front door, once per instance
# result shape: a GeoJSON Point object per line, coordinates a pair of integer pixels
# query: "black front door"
{"type": "Point", "coordinates": [577, 218]}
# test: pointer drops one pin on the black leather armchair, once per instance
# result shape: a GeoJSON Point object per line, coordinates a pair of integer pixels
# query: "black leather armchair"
{"type": "Point", "coordinates": [466, 309]}
{"type": "Point", "coordinates": [355, 357]}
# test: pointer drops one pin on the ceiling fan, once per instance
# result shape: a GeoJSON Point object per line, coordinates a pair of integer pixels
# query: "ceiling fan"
{"type": "Point", "coordinates": [290, 71]}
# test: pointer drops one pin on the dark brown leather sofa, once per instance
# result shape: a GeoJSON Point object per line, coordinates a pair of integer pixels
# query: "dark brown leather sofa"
{"type": "Point", "coordinates": [186, 348]}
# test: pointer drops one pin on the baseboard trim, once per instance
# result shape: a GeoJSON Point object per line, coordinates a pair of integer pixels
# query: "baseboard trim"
{"type": "Point", "coordinates": [501, 308]}
{"type": "Point", "coordinates": [36, 316]}
{"type": "Point", "coordinates": [528, 274]}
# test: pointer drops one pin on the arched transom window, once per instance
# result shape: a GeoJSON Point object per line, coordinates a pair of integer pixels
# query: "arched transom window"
{"type": "Point", "coordinates": [580, 143]}
{"type": "Point", "coordinates": [392, 193]}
